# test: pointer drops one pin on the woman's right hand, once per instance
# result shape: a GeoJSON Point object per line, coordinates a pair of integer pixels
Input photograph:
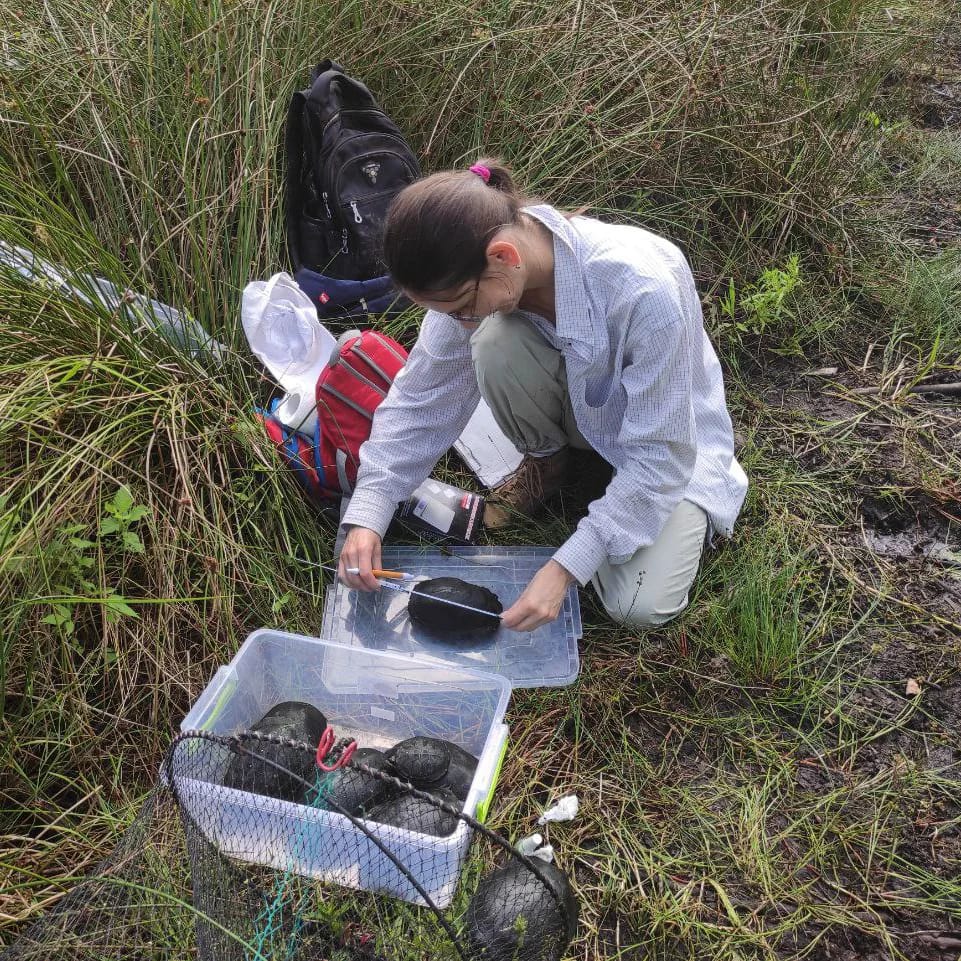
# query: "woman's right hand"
{"type": "Point", "coordinates": [361, 550]}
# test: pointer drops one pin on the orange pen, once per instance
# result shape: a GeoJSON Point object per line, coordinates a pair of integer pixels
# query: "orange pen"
{"type": "Point", "coordinates": [387, 575]}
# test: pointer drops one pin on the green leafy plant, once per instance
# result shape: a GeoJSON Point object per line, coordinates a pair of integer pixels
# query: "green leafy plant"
{"type": "Point", "coordinates": [120, 514]}
{"type": "Point", "coordinates": [764, 305]}
{"type": "Point", "coordinates": [71, 560]}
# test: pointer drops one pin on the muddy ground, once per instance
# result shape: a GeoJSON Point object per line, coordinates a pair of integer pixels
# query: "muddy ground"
{"type": "Point", "coordinates": [897, 544]}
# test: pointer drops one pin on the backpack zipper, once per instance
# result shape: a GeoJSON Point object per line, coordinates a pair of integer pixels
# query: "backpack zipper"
{"type": "Point", "coordinates": [368, 360]}
{"type": "Point", "coordinates": [366, 380]}
{"type": "Point", "coordinates": [336, 116]}
{"type": "Point", "coordinates": [357, 217]}
{"type": "Point", "coordinates": [352, 404]}
{"type": "Point", "coordinates": [387, 345]}
{"type": "Point", "coordinates": [391, 150]}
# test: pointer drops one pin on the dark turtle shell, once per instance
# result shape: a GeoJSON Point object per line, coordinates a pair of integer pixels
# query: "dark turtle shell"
{"type": "Point", "coordinates": [352, 791]}
{"type": "Point", "coordinates": [428, 762]}
{"type": "Point", "coordinates": [518, 913]}
{"type": "Point", "coordinates": [274, 769]}
{"type": "Point", "coordinates": [448, 621]}
{"type": "Point", "coordinates": [416, 814]}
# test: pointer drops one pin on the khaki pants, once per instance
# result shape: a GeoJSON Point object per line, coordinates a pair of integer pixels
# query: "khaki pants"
{"type": "Point", "coordinates": [524, 380]}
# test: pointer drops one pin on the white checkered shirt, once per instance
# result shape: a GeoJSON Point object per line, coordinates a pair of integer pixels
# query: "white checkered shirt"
{"type": "Point", "coordinates": [645, 383]}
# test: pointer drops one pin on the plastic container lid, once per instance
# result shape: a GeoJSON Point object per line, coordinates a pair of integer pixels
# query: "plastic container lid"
{"type": "Point", "coordinates": [546, 657]}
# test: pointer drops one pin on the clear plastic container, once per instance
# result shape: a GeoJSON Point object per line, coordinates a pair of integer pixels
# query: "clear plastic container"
{"type": "Point", "coordinates": [547, 657]}
{"type": "Point", "coordinates": [380, 699]}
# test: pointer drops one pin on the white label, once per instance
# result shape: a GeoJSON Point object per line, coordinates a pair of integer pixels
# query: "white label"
{"type": "Point", "coordinates": [439, 516]}
{"type": "Point", "coordinates": [382, 714]}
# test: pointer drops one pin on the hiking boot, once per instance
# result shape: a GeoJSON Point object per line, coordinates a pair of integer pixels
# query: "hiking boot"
{"type": "Point", "coordinates": [534, 482]}
{"type": "Point", "coordinates": [590, 475]}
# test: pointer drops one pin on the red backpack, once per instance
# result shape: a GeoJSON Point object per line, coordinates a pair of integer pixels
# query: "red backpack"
{"type": "Point", "coordinates": [348, 392]}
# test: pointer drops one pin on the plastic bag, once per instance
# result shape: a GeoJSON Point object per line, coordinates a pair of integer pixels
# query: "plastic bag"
{"type": "Point", "coordinates": [284, 333]}
{"type": "Point", "coordinates": [141, 312]}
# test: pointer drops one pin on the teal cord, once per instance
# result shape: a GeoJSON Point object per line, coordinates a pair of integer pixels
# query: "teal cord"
{"type": "Point", "coordinates": [268, 924]}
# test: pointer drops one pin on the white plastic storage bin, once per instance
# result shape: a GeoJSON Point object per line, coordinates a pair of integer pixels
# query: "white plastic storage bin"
{"type": "Point", "coordinates": [380, 699]}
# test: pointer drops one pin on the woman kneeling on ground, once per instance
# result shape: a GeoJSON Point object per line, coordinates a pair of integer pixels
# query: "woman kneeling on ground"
{"type": "Point", "coordinates": [579, 335]}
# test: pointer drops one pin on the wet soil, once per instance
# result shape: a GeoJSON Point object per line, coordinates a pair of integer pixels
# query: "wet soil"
{"type": "Point", "coordinates": [930, 211]}
{"type": "Point", "coordinates": [937, 86]}
{"type": "Point", "coordinates": [902, 535]}
{"type": "Point", "coordinates": [900, 546]}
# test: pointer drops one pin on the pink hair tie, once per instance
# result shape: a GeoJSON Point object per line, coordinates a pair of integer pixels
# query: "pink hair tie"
{"type": "Point", "coordinates": [482, 172]}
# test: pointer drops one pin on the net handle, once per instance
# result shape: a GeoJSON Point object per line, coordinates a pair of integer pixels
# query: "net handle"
{"type": "Point", "coordinates": [326, 745]}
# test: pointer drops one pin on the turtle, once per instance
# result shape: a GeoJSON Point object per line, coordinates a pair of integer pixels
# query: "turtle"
{"type": "Point", "coordinates": [352, 791]}
{"type": "Point", "coordinates": [448, 621]}
{"type": "Point", "coordinates": [522, 914]}
{"type": "Point", "coordinates": [428, 763]}
{"type": "Point", "coordinates": [416, 814]}
{"type": "Point", "coordinates": [277, 770]}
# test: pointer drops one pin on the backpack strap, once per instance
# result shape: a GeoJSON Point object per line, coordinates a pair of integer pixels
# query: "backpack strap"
{"type": "Point", "coordinates": [345, 485]}
{"type": "Point", "coordinates": [347, 401]}
{"type": "Point", "coordinates": [318, 460]}
{"type": "Point", "coordinates": [391, 346]}
{"type": "Point", "coordinates": [294, 194]}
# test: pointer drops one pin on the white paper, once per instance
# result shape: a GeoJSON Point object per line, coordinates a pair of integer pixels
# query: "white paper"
{"type": "Point", "coordinates": [564, 810]}
{"type": "Point", "coordinates": [298, 409]}
{"type": "Point", "coordinates": [534, 847]}
{"type": "Point", "coordinates": [486, 449]}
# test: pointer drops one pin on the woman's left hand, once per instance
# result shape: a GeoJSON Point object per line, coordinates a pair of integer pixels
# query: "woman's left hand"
{"type": "Point", "coordinates": [542, 599]}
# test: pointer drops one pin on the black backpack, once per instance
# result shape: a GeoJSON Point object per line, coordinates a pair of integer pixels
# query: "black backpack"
{"type": "Point", "coordinates": [346, 160]}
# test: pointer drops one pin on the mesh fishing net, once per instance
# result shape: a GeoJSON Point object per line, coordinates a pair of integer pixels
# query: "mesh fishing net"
{"type": "Point", "coordinates": [237, 873]}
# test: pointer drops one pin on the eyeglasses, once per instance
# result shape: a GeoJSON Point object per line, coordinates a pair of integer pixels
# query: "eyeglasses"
{"type": "Point", "coordinates": [469, 318]}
